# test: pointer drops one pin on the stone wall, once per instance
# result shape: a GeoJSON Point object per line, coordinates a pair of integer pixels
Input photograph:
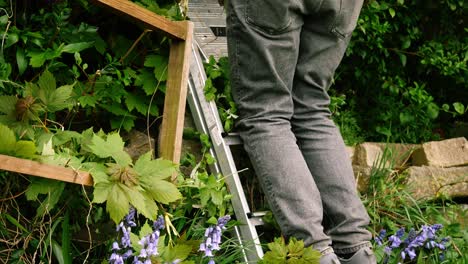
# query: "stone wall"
{"type": "Point", "coordinates": [432, 169]}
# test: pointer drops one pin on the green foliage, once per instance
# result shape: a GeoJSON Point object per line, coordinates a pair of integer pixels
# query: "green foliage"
{"type": "Point", "coordinates": [400, 70]}
{"type": "Point", "coordinates": [52, 189]}
{"type": "Point", "coordinates": [38, 102]}
{"type": "Point", "coordinates": [122, 184]}
{"type": "Point", "coordinates": [112, 81]}
{"type": "Point", "coordinates": [218, 88]}
{"type": "Point", "coordinates": [13, 147]}
{"type": "Point", "coordinates": [293, 252]}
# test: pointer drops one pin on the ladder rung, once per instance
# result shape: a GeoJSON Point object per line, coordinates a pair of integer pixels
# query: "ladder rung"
{"type": "Point", "coordinates": [232, 138]}
{"type": "Point", "coordinates": [256, 218]}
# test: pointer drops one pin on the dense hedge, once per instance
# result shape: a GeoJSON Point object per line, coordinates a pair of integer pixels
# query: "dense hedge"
{"type": "Point", "coordinates": [405, 61]}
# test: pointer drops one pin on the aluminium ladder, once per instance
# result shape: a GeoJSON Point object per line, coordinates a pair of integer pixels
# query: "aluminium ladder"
{"type": "Point", "coordinates": [207, 120]}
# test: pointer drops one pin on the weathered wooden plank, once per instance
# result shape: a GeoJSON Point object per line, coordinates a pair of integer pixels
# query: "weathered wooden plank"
{"type": "Point", "coordinates": [176, 95]}
{"type": "Point", "coordinates": [175, 29]}
{"type": "Point", "coordinates": [35, 168]}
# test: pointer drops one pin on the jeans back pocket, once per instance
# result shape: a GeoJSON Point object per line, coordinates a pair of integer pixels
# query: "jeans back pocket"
{"type": "Point", "coordinates": [270, 16]}
{"type": "Point", "coordinates": [346, 17]}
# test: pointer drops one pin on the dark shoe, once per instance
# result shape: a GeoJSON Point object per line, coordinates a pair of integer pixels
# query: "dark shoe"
{"type": "Point", "coordinates": [362, 256]}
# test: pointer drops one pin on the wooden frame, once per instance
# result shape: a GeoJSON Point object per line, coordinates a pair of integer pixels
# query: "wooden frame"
{"type": "Point", "coordinates": [174, 105]}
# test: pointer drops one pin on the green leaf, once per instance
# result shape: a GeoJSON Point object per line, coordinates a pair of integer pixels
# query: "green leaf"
{"type": "Point", "coordinates": [15, 222]}
{"type": "Point", "coordinates": [53, 189]}
{"type": "Point", "coordinates": [97, 170]}
{"type": "Point", "coordinates": [58, 252]}
{"type": "Point", "coordinates": [25, 149]}
{"type": "Point", "coordinates": [11, 39]}
{"type": "Point", "coordinates": [8, 141]}
{"type": "Point", "coordinates": [406, 118]}
{"type": "Point", "coordinates": [3, 19]}
{"type": "Point", "coordinates": [296, 248]}
{"type": "Point", "coordinates": [38, 58]}
{"type": "Point", "coordinates": [209, 90]}
{"type": "Point", "coordinates": [160, 64]}
{"type": "Point", "coordinates": [46, 85]}
{"type": "Point", "coordinates": [139, 201]}
{"type": "Point", "coordinates": [60, 98]}
{"type": "Point", "coordinates": [77, 47]}
{"type": "Point", "coordinates": [179, 251]}
{"type": "Point", "coordinates": [147, 80]}
{"type": "Point", "coordinates": [21, 60]}
{"type": "Point", "coordinates": [311, 256]}
{"type": "Point", "coordinates": [134, 239]}
{"type": "Point", "coordinates": [66, 239]}
{"type": "Point", "coordinates": [125, 122]}
{"type": "Point", "coordinates": [113, 147]}
{"type": "Point", "coordinates": [406, 44]}
{"type": "Point", "coordinates": [7, 104]}
{"type": "Point", "coordinates": [145, 230]}
{"type": "Point", "coordinates": [137, 102]}
{"type": "Point", "coordinates": [162, 191]}
{"type": "Point", "coordinates": [277, 253]}
{"type": "Point", "coordinates": [9, 145]}
{"type": "Point", "coordinates": [88, 100]}
{"type": "Point", "coordinates": [154, 169]}
{"type": "Point", "coordinates": [63, 137]}
{"type": "Point", "coordinates": [117, 203]}
{"type": "Point", "coordinates": [392, 12]}
{"type": "Point", "coordinates": [101, 191]}
{"type": "Point", "coordinates": [445, 107]}
{"type": "Point", "coordinates": [217, 197]}
{"type": "Point", "coordinates": [432, 111]}
{"type": "Point", "coordinates": [403, 58]}
{"type": "Point", "coordinates": [459, 108]}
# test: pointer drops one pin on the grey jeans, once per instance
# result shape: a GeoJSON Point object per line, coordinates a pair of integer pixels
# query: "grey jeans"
{"type": "Point", "coordinates": [283, 56]}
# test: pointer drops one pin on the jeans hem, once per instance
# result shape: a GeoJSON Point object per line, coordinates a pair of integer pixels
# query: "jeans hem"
{"type": "Point", "coordinates": [326, 251]}
{"type": "Point", "coordinates": [353, 249]}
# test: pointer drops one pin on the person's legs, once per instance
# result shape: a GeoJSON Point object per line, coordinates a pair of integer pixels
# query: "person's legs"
{"type": "Point", "coordinates": [324, 38]}
{"type": "Point", "coordinates": [263, 54]}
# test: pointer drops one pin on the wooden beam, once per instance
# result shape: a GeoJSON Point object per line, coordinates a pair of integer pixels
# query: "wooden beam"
{"type": "Point", "coordinates": [35, 168]}
{"type": "Point", "coordinates": [174, 29]}
{"type": "Point", "coordinates": [176, 95]}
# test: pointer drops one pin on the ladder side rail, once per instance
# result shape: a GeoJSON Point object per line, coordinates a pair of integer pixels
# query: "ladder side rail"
{"type": "Point", "coordinates": [196, 79]}
{"type": "Point", "coordinates": [226, 162]}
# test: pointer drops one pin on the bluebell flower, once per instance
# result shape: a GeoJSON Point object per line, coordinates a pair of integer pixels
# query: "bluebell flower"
{"type": "Point", "coordinates": [123, 229]}
{"type": "Point", "coordinates": [379, 239]}
{"type": "Point", "coordinates": [213, 238]}
{"type": "Point", "coordinates": [150, 242]}
{"type": "Point", "coordinates": [414, 241]}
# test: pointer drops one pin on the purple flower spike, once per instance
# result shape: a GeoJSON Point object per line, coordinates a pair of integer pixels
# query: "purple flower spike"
{"type": "Point", "coordinates": [380, 238]}
{"type": "Point", "coordinates": [213, 238]}
{"type": "Point", "coordinates": [150, 243]}
{"type": "Point", "coordinates": [407, 249]}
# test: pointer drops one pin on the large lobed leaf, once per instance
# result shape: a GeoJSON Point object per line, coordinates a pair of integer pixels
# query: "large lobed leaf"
{"type": "Point", "coordinates": [113, 147]}
{"type": "Point", "coordinates": [9, 145]}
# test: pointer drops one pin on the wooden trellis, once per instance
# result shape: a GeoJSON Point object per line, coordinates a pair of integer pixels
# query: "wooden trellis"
{"type": "Point", "coordinates": [174, 105]}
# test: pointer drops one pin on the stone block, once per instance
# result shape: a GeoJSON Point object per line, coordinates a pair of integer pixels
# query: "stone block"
{"type": "Point", "coordinates": [362, 176]}
{"type": "Point", "coordinates": [350, 151]}
{"type": "Point", "coordinates": [368, 154]}
{"type": "Point", "coordinates": [446, 153]}
{"type": "Point", "coordinates": [427, 182]}
{"type": "Point", "coordinates": [138, 144]}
